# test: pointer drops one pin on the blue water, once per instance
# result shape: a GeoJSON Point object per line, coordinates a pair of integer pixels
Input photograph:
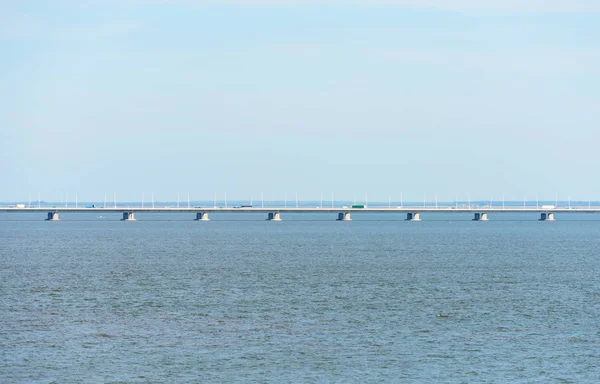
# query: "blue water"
{"type": "Point", "coordinates": [238, 299]}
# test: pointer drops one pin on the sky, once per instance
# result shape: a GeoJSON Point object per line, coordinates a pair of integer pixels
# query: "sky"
{"type": "Point", "coordinates": [387, 97]}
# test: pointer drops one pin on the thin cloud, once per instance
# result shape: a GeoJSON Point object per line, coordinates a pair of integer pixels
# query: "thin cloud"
{"type": "Point", "coordinates": [455, 5]}
{"type": "Point", "coordinates": [442, 5]}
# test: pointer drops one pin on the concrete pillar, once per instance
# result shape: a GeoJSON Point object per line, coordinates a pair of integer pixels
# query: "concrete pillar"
{"type": "Point", "coordinates": [547, 216]}
{"type": "Point", "coordinates": [202, 216]}
{"type": "Point", "coordinates": [480, 216]}
{"type": "Point", "coordinates": [128, 216]}
{"type": "Point", "coordinates": [52, 216]}
{"type": "Point", "coordinates": [413, 216]}
{"type": "Point", "coordinates": [344, 216]}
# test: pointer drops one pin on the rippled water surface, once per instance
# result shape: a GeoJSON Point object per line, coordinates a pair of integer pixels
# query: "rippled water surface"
{"type": "Point", "coordinates": [238, 299]}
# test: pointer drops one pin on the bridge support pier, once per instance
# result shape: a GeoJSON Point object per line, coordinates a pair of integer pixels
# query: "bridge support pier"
{"type": "Point", "coordinates": [344, 216]}
{"type": "Point", "coordinates": [480, 216]}
{"type": "Point", "coordinates": [274, 216]}
{"type": "Point", "coordinates": [413, 216]}
{"type": "Point", "coordinates": [202, 216]}
{"type": "Point", "coordinates": [52, 216]}
{"type": "Point", "coordinates": [547, 216]}
{"type": "Point", "coordinates": [128, 216]}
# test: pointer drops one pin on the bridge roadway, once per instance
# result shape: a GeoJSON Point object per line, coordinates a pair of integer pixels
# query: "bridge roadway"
{"type": "Point", "coordinates": [343, 212]}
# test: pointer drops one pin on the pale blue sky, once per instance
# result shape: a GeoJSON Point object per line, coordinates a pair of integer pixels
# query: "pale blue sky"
{"type": "Point", "coordinates": [255, 96]}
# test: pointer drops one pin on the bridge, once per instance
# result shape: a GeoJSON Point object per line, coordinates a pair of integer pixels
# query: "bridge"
{"type": "Point", "coordinates": [342, 213]}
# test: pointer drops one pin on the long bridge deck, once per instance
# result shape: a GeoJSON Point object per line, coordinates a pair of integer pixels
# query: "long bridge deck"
{"type": "Point", "coordinates": [308, 209]}
{"type": "Point", "coordinates": [343, 212]}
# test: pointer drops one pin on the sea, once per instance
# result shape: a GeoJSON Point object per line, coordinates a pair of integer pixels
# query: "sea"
{"type": "Point", "coordinates": [166, 299]}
